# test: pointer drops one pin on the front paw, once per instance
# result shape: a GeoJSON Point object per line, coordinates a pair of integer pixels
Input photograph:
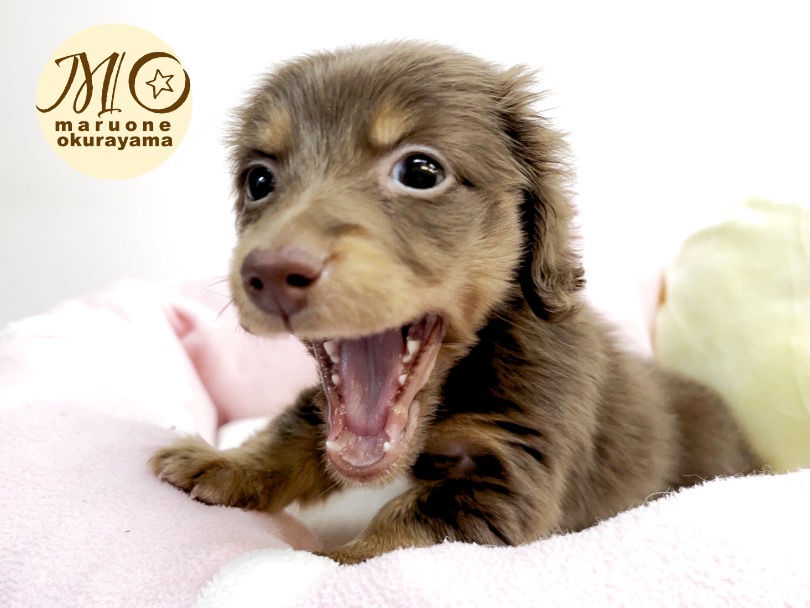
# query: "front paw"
{"type": "Point", "coordinates": [195, 467]}
{"type": "Point", "coordinates": [351, 553]}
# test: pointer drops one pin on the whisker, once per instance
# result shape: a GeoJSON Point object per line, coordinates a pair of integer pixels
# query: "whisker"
{"type": "Point", "coordinates": [329, 489]}
{"type": "Point", "coordinates": [224, 308]}
{"type": "Point", "coordinates": [207, 288]}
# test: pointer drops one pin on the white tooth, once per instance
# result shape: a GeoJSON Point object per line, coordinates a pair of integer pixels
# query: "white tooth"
{"type": "Point", "coordinates": [412, 347]}
{"type": "Point", "coordinates": [335, 379]}
{"type": "Point", "coordinates": [332, 445]}
{"type": "Point", "coordinates": [332, 351]}
{"type": "Point", "coordinates": [387, 446]}
{"type": "Point", "coordinates": [402, 379]}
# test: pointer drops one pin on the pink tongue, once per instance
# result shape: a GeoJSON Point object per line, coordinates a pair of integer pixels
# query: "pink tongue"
{"type": "Point", "coordinates": [369, 371]}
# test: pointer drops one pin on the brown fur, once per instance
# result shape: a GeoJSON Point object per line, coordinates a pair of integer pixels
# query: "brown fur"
{"type": "Point", "coordinates": [533, 421]}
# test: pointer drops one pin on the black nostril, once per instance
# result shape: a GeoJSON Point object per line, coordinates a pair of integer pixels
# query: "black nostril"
{"type": "Point", "coordinates": [256, 283]}
{"type": "Point", "coordinates": [298, 280]}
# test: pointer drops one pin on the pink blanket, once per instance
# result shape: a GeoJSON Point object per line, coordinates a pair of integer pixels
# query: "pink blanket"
{"type": "Point", "coordinates": [87, 393]}
{"type": "Point", "coordinates": [733, 542]}
{"type": "Point", "coordinates": [89, 390]}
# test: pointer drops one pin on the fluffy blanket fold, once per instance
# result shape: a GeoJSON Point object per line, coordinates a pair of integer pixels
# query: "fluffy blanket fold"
{"type": "Point", "coordinates": [731, 542]}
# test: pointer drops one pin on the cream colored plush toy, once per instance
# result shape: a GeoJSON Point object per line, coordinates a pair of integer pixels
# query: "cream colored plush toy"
{"type": "Point", "coordinates": [735, 313]}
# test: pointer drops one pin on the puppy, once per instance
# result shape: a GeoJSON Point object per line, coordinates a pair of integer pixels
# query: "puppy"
{"type": "Point", "coordinates": [402, 210]}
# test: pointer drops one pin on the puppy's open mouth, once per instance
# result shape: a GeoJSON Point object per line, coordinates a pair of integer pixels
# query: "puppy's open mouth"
{"type": "Point", "coordinates": [370, 384]}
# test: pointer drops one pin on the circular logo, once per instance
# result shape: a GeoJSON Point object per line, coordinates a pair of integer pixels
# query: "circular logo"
{"type": "Point", "coordinates": [114, 101]}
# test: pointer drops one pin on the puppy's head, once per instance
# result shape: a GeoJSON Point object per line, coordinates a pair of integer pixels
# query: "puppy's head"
{"type": "Point", "coordinates": [389, 199]}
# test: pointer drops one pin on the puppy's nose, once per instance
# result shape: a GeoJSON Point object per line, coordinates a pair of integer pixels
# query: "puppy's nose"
{"type": "Point", "coordinates": [278, 280]}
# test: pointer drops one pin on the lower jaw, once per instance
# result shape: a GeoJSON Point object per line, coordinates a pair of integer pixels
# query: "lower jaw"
{"type": "Point", "coordinates": [339, 456]}
{"type": "Point", "coordinates": [364, 474]}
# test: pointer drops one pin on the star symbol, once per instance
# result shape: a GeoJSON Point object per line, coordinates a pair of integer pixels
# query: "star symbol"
{"type": "Point", "coordinates": [160, 83]}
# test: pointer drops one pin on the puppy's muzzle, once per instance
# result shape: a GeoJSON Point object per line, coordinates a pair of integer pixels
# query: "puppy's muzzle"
{"type": "Point", "coordinates": [278, 281]}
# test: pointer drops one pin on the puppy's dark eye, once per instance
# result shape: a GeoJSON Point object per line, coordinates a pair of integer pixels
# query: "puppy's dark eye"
{"type": "Point", "coordinates": [419, 171]}
{"type": "Point", "coordinates": [260, 182]}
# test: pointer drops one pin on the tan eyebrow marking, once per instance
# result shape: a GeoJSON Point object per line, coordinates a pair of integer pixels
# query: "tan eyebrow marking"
{"type": "Point", "coordinates": [275, 130]}
{"type": "Point", "coordinates": [389, 126]}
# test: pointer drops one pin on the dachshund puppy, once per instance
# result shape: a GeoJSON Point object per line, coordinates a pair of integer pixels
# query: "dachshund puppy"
{"type": "Point", "coordinates": [402, 210]}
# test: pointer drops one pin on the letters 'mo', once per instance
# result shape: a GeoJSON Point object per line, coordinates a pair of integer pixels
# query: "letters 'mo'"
{"type": "Point", "coordinates": [114, 61]}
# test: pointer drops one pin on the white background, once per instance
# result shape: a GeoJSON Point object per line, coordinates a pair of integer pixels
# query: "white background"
{"type": "Point", "coordinates": [676, 112]}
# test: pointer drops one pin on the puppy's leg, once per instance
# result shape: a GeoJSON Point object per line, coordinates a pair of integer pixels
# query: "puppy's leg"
{"type": "Point", "coordinates": [429, 515]}
{"type": "Point", "coordinates": [491, 493]}
{"type": "Point", "coordinates": [280, 464]}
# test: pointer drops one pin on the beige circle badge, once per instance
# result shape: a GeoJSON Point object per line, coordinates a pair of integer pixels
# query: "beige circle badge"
{"type": "Point", "coordinates": [114, 101]}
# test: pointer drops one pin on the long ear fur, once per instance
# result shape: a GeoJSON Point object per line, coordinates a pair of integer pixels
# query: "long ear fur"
{"type": "Point", "coordinates": [551, 274]}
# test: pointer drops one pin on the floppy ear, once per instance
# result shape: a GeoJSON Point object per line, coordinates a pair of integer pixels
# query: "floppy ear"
{"type": "Point", "coordinates": [551, 274]}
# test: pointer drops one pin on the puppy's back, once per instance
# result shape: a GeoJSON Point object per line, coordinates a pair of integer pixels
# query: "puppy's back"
{"type": "Point", "coordinates": [710, 441]}
{"type": "Point", "coordinates": [653, 431]}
